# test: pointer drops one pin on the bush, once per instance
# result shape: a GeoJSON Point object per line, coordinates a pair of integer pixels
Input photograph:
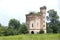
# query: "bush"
{"type": "Point", "coordinates": [23, 29]}
{"type": "Point", "coordinates": [41, 32]}
{"type": "Point", "coordinates": [49, 30]}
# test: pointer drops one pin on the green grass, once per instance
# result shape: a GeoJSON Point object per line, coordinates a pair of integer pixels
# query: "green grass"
{"type": "Point", "coordinates": [32, 37]}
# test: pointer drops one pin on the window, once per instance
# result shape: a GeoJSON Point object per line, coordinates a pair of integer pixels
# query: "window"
{"type": "Point", "coordinates": [43, 25]}
{"type": "Point", "coordinates": [37, 24]}
{"type": "Point", "coordinates": [32, 24]}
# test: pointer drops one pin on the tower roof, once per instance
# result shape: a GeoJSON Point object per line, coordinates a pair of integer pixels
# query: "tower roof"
{"type": "Point", "coordinates": [44, 7]}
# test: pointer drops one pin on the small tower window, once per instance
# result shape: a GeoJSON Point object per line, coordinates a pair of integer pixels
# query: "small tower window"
{"type": "Point", "coordinates": [43, 25]}
{"type": "Point", "coordinates": [37, 24]}
{"type": "Point", "coordinates": [32, 24]}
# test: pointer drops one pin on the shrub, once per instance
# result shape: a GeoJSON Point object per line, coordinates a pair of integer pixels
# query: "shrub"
{"type": "Point", "coordinates": [41, 31]}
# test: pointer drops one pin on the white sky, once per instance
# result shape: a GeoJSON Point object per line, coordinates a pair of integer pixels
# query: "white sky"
{"type": "Point", "coordinates": [19, 8]}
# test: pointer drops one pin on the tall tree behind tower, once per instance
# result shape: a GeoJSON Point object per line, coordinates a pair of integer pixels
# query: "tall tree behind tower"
{"type": "Point", "coordinates": [54, 19]}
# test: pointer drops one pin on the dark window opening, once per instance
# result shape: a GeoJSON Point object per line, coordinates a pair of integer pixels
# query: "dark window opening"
{"type": "Point", "coordinates": [32, 24]}
{"type": "Point", "coordinates": [32, 32]}
{"type": "Point", "coordinates": [43, 25]}
{"type": "Point", "coordinates": [37, 24]}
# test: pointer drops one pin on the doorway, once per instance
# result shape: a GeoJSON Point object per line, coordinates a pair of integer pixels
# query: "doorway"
{"type": "Point", "coordinates": [32, 32]}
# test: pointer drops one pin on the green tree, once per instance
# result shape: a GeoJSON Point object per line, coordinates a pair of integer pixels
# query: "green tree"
{"type": "Point", "coordinates": [14, 24]}
{"type": "Point", "coordinates": [0, 25]}
{"type": "Point", "coordinates": [10, 32]}
{"type": "Point", "coordinates": [54, 19]}
{"type": "Point", "coordinates": [13, 27]}
{"type": "Point", "coordinates": [2, 31]}
{"type": "Point", "coordinates": [58, 27]}
{"type": "Point", "coordinates": [23, 29]}
{"type": "Point", "coordinates": [49, 30]}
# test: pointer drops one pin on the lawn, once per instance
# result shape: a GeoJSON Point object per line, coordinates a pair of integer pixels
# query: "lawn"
{"type": "Point", "coordinates": [32, 37]}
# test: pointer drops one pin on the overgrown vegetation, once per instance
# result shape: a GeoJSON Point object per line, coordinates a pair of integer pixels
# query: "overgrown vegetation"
{"type": "Point", "coordinates": [14, 28]}
{"type": "Point", "coordinates": [32, 37]}
{"type": "Point", "coordinates": [53, 26]}
{"type": "Point", "coordinates": [41, 31]}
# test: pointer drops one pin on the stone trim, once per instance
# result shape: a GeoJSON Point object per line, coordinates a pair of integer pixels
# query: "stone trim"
{"type": "Point", "coordinates": [36, 29]}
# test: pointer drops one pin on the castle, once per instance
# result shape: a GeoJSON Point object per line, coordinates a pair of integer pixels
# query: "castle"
{"type": "Point", "coordinates": [36, 21]}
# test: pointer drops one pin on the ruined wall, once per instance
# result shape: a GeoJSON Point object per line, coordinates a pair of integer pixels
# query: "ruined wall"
{"type": "Point", "coordinates": [36, 22]}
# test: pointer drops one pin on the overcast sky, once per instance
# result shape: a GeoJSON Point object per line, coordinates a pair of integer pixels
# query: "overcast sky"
{"type": "Point", "coordinates": [19, 8]}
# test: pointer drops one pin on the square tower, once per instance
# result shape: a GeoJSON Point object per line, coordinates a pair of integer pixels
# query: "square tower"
{"type": "Point", "coordinates": [36, 21]}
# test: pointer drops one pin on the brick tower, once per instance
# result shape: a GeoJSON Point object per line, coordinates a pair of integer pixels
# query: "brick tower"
{"type": "Point", "coordinates": [36, 21]}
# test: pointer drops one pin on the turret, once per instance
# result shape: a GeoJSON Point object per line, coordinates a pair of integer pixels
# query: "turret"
{"type": "Point", "coordinates": [43, 9]}
{"type": "Point", "coordinates": [43, 18]}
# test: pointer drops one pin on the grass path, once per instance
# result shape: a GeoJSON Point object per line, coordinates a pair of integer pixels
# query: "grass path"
{"type": "Point", "coordinates": [32, 37]}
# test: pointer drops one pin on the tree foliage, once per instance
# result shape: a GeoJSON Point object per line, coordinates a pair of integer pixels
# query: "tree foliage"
{"type": "Point", "coordinates": [49, 30]}
{"type": "Point", "coordinates": [0, 25]}
{"type": "Point", "coordinates": [23, 29]}
{"type": "Point", "coordinates": [14, 24]}
{"type": "Point", "coordinates": [41, 31]}
{"type": "Point", "coordinates": [2, 30]}
{"type": "Point", "coordinates": [54, 19]}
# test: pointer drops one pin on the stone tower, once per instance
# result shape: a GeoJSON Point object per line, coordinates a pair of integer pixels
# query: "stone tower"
{"type": "Point", "coordinates": [36, 21]}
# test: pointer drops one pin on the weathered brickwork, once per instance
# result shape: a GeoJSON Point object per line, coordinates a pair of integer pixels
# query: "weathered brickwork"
{"type": "Point", "coordinates": [36, 22]}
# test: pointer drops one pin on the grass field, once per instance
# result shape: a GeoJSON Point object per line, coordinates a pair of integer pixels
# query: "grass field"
{"type": "Point", "coordinates": [32, 37]}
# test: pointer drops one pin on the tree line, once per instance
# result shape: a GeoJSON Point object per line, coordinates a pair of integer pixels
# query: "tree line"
{"type": "Point", "coordinates": [15, 27]}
